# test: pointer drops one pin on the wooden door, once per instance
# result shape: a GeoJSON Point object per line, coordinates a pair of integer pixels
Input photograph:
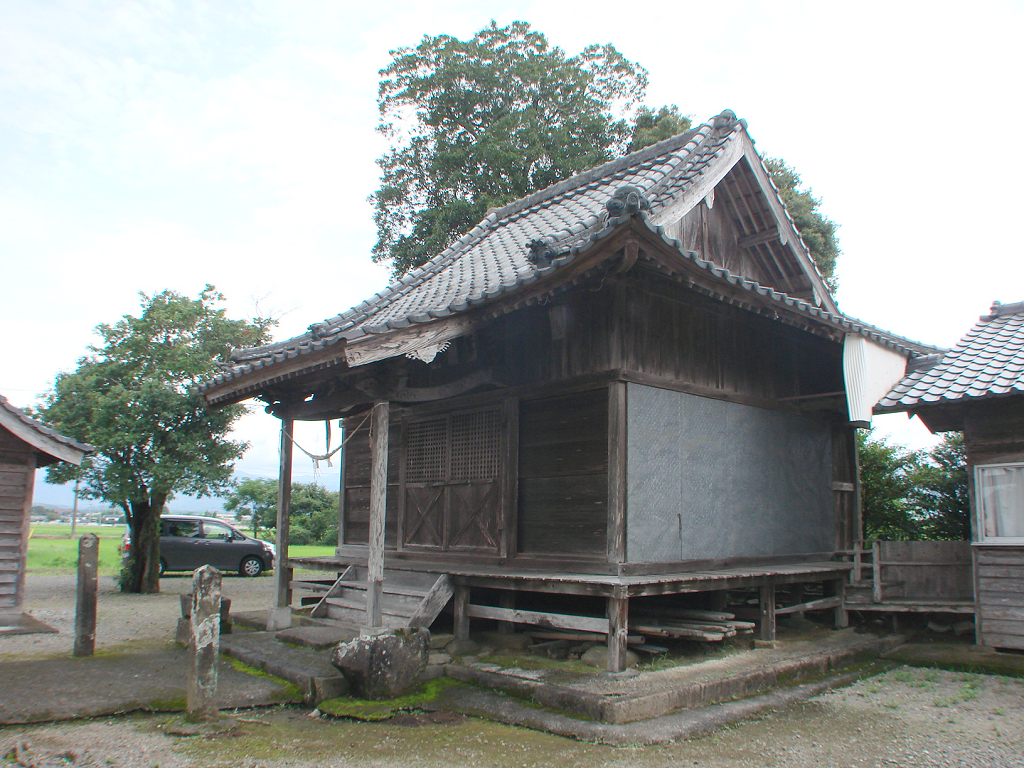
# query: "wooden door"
{"type": "Point", "coordinates": [452, 482]}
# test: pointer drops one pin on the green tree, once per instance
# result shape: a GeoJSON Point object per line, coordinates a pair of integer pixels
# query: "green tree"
{"type": "Point", "coordinates": [481, 122]}
{"type": "Point", "coordinates": [650, 127]}
{"type": "Point", "coordinates": [940, 491]}
{"type": "Point", "coordinates": [132, 398]}
{"type": "Point", "coordinates": [256, 497]}
{"type": "Point", "coordinates": [314, 515]}
{"type": "Point", "coordinates": [887, 478]}
{"type": "Point", "coordinates": [817, 231]}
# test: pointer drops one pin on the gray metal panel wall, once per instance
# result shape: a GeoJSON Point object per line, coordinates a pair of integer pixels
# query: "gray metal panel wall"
{"type": "Point", "coordinates": [709, 479]}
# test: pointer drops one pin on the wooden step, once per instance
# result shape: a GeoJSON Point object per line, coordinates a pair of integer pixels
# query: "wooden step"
{"type": "Point", "coordinates": [410, 599]}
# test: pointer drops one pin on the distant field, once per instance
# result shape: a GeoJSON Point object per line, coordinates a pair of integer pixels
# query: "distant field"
{"type": "Point", "coordinates": [52, 529]}
{"type": "Point", "coordinates": [53, 555]}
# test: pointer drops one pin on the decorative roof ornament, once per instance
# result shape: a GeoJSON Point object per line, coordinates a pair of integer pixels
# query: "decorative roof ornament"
{"type": "Point", "coordinates": [541, 253]}
{"type": "Point", "coordinates": [318, 330]}
{"type": "Point", "coordinates": [627, 201]}
{"type": "Point", "coordinates": [428, 353]}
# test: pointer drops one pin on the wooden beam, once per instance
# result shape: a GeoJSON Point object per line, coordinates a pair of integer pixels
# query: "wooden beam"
{"type": "Point", "coordinates": [759, 237]}
{"type": "Point", "coordinates": [537, 618]}
{"type": "Point", "coordinates": [444, 391]}
{"type": "Point", "coordinates": [380, 346]}
{"type": "Point", "coordinates": [380, 425]}
{"type": "Point", "coordinates": [460, 604]}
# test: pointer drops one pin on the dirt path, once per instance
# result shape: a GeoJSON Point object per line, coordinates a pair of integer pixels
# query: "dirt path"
{"type": "Point", "coordinates": [902, 718]}
{"type": "Point", "coordinates": [139, 620]}
{"type": "Point", "coordinates": [905, 717]}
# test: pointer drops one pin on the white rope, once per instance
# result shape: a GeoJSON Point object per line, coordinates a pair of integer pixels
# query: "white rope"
{"type": "Point", "coordinates": [317, 458]}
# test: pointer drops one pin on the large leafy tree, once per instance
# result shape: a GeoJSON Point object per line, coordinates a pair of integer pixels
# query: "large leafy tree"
{"type": "Point", "coordinates": [887, 483]}
{"type": "Point", "coordinates": [482, 122]}
{"type": "Point", "coordinates": [915, 495]}
{"type": "Point", "coordinates": [313, 515]}
{"type": "Point", "coordinates": [255, 497]}
{"type": "Point", "coordinates": [132, 398]}
{"type": "Point", "coordinates": [940, 491]}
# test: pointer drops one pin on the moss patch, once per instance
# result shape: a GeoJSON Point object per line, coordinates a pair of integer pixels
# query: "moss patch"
{"type": "Point", "coordinates": [362, 709]}
{"type": "Point", "coordinates": [292, 691]}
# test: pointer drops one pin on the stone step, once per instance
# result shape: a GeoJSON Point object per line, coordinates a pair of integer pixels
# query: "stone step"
{"type": "Point", "coordinates": [311, 670]}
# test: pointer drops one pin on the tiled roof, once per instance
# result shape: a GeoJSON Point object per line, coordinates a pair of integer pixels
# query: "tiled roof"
{"type": "Point", "coordinates": [988, 362]}
{"type": "Point", "coordinates": [18, 421]}
{"type": "Point", "coordinates": [492, 259]}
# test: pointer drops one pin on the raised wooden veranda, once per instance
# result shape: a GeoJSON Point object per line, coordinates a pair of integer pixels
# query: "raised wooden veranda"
{"type": "Point", "coordinates": [615, 590]}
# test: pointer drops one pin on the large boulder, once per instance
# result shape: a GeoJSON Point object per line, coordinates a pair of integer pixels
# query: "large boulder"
{"type": "Point", "coordinates": [383, 666]}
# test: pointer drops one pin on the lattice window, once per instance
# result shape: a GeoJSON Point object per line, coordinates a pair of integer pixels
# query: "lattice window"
{"type": "Point", "coordinates": [454, 448]}
{"type": "Point", "coordinates": [426, 447]}
{"type": "Point", "coordinates": [475, 441]}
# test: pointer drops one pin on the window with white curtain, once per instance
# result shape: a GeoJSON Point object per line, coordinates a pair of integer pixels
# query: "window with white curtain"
{"type": "Point", "coordinates": [1000, 489]}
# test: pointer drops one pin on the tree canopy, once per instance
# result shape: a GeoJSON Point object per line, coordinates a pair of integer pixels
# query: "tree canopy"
{"type": "Point", "coordinates": [478, 123]}
{"type": "Point", "coordinates": [132, 398]}
{"type": "Point", "coordinates": [482, 122]}
{"type": "Point", "coordinates": [818, 231]}
{"type": "Point", "coordinates": [914, 495]}
{"type": "Point", "coordinates": [313, 517]}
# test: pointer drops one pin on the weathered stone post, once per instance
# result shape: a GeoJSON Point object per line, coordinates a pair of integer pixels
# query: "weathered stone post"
{"type": "Point", "coordinates": [205, 644]}
{"type": "Point", "coordinates": [85, 603]}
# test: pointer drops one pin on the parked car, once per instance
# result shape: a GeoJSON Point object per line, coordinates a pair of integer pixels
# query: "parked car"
{"type": "Point", "coordinates": [188, 542]}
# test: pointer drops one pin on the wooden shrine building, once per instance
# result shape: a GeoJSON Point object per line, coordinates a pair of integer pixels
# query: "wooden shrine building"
{"type": "Point", "coordinates": [978, 388]}
{"type": "Point", "coordinates": [632, 383]}
{"type": "Point", "coordinates": [25, 444]}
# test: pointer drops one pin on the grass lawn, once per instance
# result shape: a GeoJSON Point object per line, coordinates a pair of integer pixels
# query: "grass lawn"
{"type": "Point", "coordinates": [53, 555]}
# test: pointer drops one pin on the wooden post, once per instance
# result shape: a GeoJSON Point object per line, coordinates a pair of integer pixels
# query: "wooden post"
{"type": "Point", "coordinates": [618, 626]}
{"type": "Point", "coordinates": [380, 425]}
{"type": "Point", "coordinates": [204, 644]}
{"type": "Point", "coordinates": [616, 542]}
{"type": "Point", "coordinates": [876, 572]}
{"type": "Point", "coordinates": [459, 602]}
{"type": "Point", "coordinates": [85, 603]}
{"type": "Point", "coordinates": [281, 614]}
{"type": "Point", "coordinates": [767, 611]}
{"type": "Point", "coordinates": [507, 599]}
{"type": "Point", "coordinates": [842, 616]}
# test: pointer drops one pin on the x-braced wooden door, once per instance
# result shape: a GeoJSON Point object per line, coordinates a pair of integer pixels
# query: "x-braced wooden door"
{"type": "Point", "coordinates": [452, 482]}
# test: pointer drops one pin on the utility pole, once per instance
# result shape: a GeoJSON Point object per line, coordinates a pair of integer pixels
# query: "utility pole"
{"type": "Point", "coordinates": [74, 508]}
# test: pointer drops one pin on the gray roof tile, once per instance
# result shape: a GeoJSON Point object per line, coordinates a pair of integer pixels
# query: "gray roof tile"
{"type": "Point", "coordinates": [988, 361]}
{"type": "Point", "coordinates": [491, 259]}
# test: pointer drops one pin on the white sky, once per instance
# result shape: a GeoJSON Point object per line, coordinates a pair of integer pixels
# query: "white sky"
{"type": "Point", "coordinates": [160, 144]}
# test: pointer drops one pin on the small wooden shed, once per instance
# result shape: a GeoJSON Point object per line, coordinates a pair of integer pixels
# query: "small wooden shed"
{"type": "Point", "coordinates": [25, 444]}
{"type": "Point", "coordinates": [633, 383]}
{"type": "Point", "coordinates": [978, 388]}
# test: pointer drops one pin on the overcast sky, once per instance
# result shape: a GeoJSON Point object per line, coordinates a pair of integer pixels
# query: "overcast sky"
{"type": "Point", "coordinates": [153, 145]}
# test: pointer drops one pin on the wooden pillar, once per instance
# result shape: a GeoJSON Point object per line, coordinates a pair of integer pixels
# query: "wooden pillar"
{"type": "Point", "coordinates": [616, 545]}
{"type": "Point", "coordinates": [618, 630]}
{"type": "Point", "coordinates": [507, 599]}
{"type": "Point", "coordinates": [842, 617]}
{"type": "Point", "coordinates": [380, 425]}
{"type": "Point", "coordinates": [767, 611]}
{"type": "Point", "coordinates": [281, 614]}
{"type": "Point", "coordinates": [459, 602]}
{"type": "Point", "coordinates": [85, 604]}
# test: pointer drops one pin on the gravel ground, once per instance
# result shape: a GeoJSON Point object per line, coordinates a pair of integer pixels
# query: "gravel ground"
{"type": "Point", "coordinates": [904, 717]}
{"type": "Point", "coordinates": [139, 620]}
